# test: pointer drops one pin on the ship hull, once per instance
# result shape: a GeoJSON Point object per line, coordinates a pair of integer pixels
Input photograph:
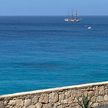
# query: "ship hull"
{"type": "Point", "coordinates": [71, 20]}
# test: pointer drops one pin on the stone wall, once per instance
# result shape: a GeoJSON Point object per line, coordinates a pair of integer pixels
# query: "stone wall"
{"type": "Point", "coordinates": [65, 97]}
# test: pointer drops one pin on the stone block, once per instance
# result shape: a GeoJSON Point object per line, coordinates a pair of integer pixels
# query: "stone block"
{"type": "Point", "coordinates": [61, 97]}
{"type": "Point", "coordinates": [68, 94]}
{"type": "Point", "coordinates": [47, 105]}
{"type": "Point", "coordinates": [12, 102]}
{"type": "Point", "coordinates": [100, 99]}
{"type": "Point", "coordinates": [44, 98]}
{"type": "Point", "coordinates": [35, 100]}
{"type": "Point", "coordinates": [27, 102]}
{"type": "Point", "coordinates": [101, 90]}
{"type": "Point", "coordinates": [1, 105]}
{"type": "Point", "coordinates": [106, 98]}
{"type": "Point", "coordinates": [39, 105]}
{"type": "Point", "coordinates": [31, 106]}
{"type": "Point", "coordinates": [19, 103]}
{"type": "Point", "coordinates": [53, 97]}
{"type": "Point", "coordinates": [95, 105]}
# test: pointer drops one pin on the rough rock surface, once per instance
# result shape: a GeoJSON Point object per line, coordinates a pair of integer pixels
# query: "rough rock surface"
{"type": "Point", "coordinates": [58, 98]}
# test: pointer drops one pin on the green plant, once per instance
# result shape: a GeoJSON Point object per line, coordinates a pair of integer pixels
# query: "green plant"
{"type": "Point", "coordinates": [84, 101]}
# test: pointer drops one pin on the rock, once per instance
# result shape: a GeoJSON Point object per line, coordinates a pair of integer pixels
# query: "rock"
{"type": "Point", "coordinates": [95, 105]}
{"type": "Point", "coordinates": [53, 97]}
{"type": "Point", "coordinates": [76, 93]}
{"type": "Point", "coordinates": [19, 103]}
{"type": "Point", "coordinates": [61, 97]}
{"type": "Point", "coordinates": [64, 101]}
{"type": "Point", "coordinates": [101, 90]}
{"type": "Point", "coordinates": [96, 91]}
{"type": "Point", "coordinates": [68, 94]}
{"type": "Point", "coordinates": [12, 102]}
{"type": "Point", "coordinates": [47, 105]}
{"type": "Point", "coordinates": [100, 98]}
{"type": "Point", "coordinates": [38, 105]}
{"type": "Point", "coordinates": [91, 93]}
{"type": "Point", "coordinates": [106, 98]}
{"type": "Point", "coordinates": [1, 104]}
{"type": "Point", "coordinates": [5, 103]}
{"type": "Point", "coordinates": [31, 106]}
{"type": "Point", "coordinates": [75, 107]}
{"type": "Point", "coordinates": [59, 106]}
{"type": "Point", "coordinates": [56, 104]}
{"type": "Point", "coordinates": [68, 107]}
{"type": "Point", "coordinates": [93, 99]}
{"type": "Point", "coordinates": [44, 98]}
{"type": "Point", "coordinates": [27, 102]}
{"type": "Point", "coordinates": [35, 100]}
{"type": "Point", "coordinates": [70, 100]}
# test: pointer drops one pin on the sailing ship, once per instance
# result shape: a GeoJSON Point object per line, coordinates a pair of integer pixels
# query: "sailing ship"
{"type": "Point", "coordinates": [72, 18]}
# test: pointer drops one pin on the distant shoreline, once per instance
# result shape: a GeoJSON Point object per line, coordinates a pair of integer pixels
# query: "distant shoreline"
{"type": "Point", "coordinates": [52, 16]}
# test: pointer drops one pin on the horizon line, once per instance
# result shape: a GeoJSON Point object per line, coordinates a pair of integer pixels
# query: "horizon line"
{"type": "Point", "coordinates": [46, 15]}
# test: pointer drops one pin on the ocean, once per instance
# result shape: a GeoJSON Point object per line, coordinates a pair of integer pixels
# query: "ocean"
{"type": "Point", "coordinates": [46, 52]}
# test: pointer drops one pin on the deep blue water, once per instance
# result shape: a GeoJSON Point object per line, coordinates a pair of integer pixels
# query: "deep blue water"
{"type": "Point", "coordinates": [46, 52]}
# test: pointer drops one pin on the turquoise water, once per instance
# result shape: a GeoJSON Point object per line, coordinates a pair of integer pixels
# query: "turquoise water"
{"type": "Point", "coordinates": [46, 52]}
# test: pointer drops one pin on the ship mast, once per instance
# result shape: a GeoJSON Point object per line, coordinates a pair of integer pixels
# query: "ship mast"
{"type": "Point", "coordinates": [76, 14]}
{"type": "Point", "coordinates": [72, 14]}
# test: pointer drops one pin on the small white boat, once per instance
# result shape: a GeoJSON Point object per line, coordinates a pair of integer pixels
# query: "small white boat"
{"type": "Point", "coordinates": [89, 28]}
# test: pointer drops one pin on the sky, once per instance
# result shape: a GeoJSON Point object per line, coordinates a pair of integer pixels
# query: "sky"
{"type": "Point", "coordinates": [52, 7]}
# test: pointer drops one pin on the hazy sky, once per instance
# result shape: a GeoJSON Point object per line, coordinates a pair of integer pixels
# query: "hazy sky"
{"type": "Point", "coordinates": [53, 7]}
